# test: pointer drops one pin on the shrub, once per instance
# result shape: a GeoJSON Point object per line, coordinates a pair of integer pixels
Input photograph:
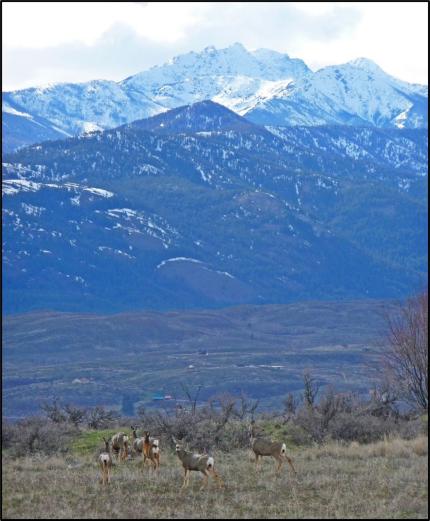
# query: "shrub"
{"type": "Point", "coordinates": [37, 435]}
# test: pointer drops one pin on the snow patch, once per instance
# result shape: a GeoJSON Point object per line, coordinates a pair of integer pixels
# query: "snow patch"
{"type": "Point", "coordinates": [179, 259]}
{"type": "Point", "coordinates": [100, 192]}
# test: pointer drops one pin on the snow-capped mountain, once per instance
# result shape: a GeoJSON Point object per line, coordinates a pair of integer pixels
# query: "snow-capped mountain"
{"type": "Point", "coordinates": [267, 87]}
{"type": "Point", "coordinates": [200, 207]}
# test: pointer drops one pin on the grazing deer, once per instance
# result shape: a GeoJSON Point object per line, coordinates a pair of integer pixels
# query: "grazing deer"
{"type": "Point", "coordinates": [265, 447]}
{"type": "Point", "coordinates": [151, 451]}
{"type": "Point", "coordinates": [137, 444]}
{"type": "Point", "coordinates": [120, 445]}
{"type": "Point", "coordinates": [105, 463]}
{"type": "Point", "coordinates": [192, 461]}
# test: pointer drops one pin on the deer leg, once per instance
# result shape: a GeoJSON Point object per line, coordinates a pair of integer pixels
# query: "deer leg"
{"type": "Point", "coordinates": [290, 463]}
{"type": "Point", "coordinates": [205, 479]}
{"type": "Point", "coordinates": [257, 457]}
{"type": "Point", "coordinates": [185, 478]}
{"type": "Point", "coordinates": [280, 463]}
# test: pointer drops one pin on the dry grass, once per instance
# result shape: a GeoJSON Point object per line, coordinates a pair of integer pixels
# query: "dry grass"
{"type": "Point", "coordinates": [387, 479]}
{"type": "Point", "coordinates": [389, 448]}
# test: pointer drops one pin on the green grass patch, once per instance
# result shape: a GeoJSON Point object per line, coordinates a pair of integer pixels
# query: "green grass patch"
{"type": "Point", "coordinates": [89, 441]}
{"type": "Point", "coordinates": [293, 435]}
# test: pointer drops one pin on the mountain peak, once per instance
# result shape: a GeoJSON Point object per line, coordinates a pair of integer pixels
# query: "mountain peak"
{"type": "Point", "coordinates": [366, 64]}
{"type": "Point", "coordinates": [203, 116]}
{"type": "Point", "coordinates": [237, 46]}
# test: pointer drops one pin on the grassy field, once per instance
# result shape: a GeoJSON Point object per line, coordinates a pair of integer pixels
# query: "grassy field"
{"type": "Point", "coordinates": [387, 479]}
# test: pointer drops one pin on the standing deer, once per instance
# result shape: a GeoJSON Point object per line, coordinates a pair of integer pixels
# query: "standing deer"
{"type": "Point", "coordinates": [120, 445]}
{"type": "Point", "coordinates": [137, 443]}
{"type": "Point", "coordinates": [192, 461]}
{"type": "Point", "coordinates": [105, 463]}
{"type": "Point", "coordinates": [151, 451]}
{"type": "Point", "coordinates": [265, 447]}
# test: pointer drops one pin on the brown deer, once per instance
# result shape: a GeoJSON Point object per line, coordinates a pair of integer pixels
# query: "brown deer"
{"type": "Point", "coordinates": [119, 443]}
{"type": "Point", "coordinates": [192, 461]}
{"type": "Point", "coordinates": [265, 447]}
{"type": "Point", "coordinates": [151, 451]}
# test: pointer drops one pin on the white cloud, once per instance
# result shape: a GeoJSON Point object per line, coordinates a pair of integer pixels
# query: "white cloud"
{"type": "Point", "coordinates": [77, 41]}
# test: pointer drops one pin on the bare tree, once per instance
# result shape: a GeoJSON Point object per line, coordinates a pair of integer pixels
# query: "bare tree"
{"type": "Point", "coordinates": [406, 359]}
{"type": "Point", "coordinates": [311, 389]}
{"type": "Point", "coordinates": [328, 407]}
{"type": "Point", "coordinates": [75, 415]}
{"type": "Point", "coordinates": [192, 397]}
{"type": "Point", "coordinates": [245, 407]}
{"type": "Point", "coordinates": [290, 406]}
{"type": "Point", "coordinates": [54, 411]}
{"type": "Point", "coordinates": [100, 418]}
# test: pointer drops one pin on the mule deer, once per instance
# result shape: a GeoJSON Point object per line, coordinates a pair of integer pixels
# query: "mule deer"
{"type": "Point", "coordinates": [137, 443]}
{"type": "Point", "coordinates": [265, 447]}
{"type": "Point", "coordinates": [105, 463]}
{"type": "Point", "coordinates": [151, 450]}
{"type": "Point", "coordinates": [120, 445]}
{"type": "Point", "coordinates": [192, 461]}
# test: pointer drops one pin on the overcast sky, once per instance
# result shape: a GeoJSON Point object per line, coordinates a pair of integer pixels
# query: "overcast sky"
{"type": "Point", "coordinates": [79, 41]}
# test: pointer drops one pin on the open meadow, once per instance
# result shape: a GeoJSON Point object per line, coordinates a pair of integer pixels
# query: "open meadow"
{"type": "Point", "coordinates": [385, 479]}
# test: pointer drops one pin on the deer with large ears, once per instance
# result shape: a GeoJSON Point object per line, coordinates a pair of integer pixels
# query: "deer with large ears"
{"type": "Point", "coordinates": [137, 443]}
{"type": "Point", "coordinates": [151, 451]}
{"type": "Point", "coordinates": [265, 447]}
{"type": "Point", "coordinates": [105, 463]}
{"type": "Point", "coordinates": [192, 461]}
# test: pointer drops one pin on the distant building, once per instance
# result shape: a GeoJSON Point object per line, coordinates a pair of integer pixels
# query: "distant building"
{"type": "Point", "coordinates": [81, 381]}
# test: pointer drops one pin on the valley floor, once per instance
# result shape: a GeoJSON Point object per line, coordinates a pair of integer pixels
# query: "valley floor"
{"type": "Point", "coordinates": [388, 479]}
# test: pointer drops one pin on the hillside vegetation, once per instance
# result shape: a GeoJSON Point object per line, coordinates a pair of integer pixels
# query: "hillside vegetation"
{"type": "Point", "coordinates": [262, 351]}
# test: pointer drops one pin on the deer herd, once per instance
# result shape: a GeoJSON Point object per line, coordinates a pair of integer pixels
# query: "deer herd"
{"type": "Point", "coordinates": [149, 448]}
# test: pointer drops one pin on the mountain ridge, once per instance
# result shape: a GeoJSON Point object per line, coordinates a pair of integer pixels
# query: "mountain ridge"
{"type": "Point", "coordinates": [133, 217]}
{"type": "Point", "coordinates": [266, 86]}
